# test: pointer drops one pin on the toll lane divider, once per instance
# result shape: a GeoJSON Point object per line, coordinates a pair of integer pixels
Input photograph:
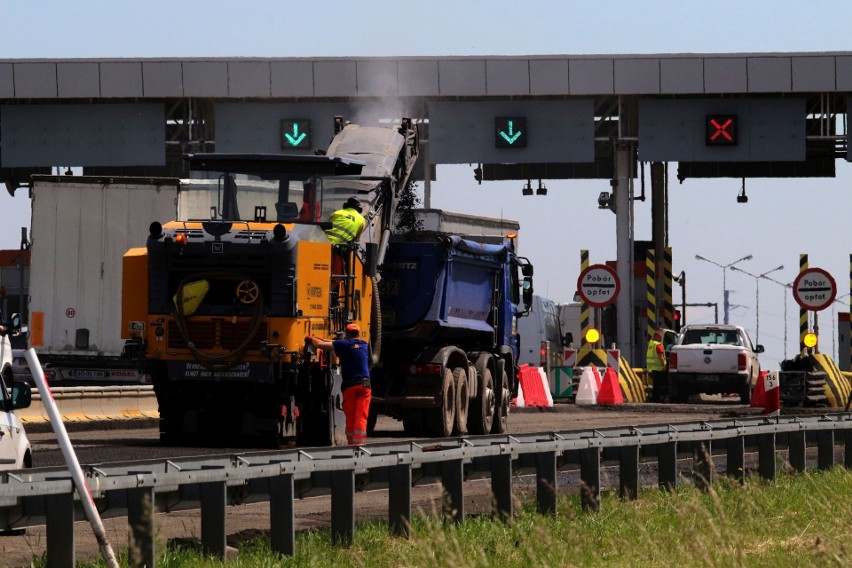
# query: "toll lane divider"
{"type": "Point", "coordinates": [837, 386]}
{"type": "Point", "coordinates": [82, 404]}
{"type": "Point", "coordinates": [632, 386]}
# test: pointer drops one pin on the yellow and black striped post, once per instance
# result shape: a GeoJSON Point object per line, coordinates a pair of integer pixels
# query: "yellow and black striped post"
{"type": "Point", "coordinates": [668, 308]}
{"type": "Point", "coordinates": [651, 292]}
{"type": "Point", "coordinates": [584, 307]}
{"type": "Point", "coordinates": [803, 313]}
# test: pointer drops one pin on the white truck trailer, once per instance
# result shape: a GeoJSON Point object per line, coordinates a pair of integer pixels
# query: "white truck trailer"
{"type": "Point", "coordinates": [81, 227]}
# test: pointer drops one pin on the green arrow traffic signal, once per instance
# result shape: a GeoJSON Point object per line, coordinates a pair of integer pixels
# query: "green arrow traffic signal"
{"type": "Point", "coordinates": [295, 133]}
{"type": "Point", "coordinates": [510, 132]}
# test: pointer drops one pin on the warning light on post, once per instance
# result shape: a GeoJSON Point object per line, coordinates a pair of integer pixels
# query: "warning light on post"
{"type": "Point", "coordinates": [593, 335]}
{"type": "Point", "coordinates": [810, 340]}
{"type": "Point", "coordinates": [721, 130]}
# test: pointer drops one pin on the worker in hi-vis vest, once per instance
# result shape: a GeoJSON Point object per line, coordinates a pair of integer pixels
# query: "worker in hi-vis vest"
{"type": "Point", "coordinates": [347, 223]}
{"type": "Point", "coordinates": [655, 363]}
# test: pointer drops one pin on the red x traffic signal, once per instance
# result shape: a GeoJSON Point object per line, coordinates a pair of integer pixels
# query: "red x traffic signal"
{"type": "Point", "coordinates": [721, 130]}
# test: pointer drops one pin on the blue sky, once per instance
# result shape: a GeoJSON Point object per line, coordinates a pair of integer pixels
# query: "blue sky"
{"type": "Point", "coordinates": [782, 219]}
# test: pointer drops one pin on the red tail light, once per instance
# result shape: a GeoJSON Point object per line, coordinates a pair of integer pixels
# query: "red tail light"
{"type": "Point", "coordinates": [742, 360]}
{"type": "Point", "coordinates": [428, 369]}
{"type": "Point", "coordinates": [673, 362]}
{"type": "Point", "coordinates": [543, 354]}
{"type": "Point", "coordinates": [180, 238]}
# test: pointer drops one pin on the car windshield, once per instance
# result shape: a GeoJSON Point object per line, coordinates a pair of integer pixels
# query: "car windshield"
{"type": "Point", "coordinates": [711, 337]}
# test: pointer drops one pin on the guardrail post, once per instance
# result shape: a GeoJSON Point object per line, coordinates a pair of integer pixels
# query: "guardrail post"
{"type": "Point", "coordinates": [343, 507]}
{"type": "Point", "coordinates": [501, 485]}
{"type": "Point", "coordinates": [667, 466]}
{"type": "Point", "coordinates": [736, 459]}
{"type": "Point", "coordinates": [60, 530]}
{"type": "Point", "coordinates": [702, 464]}
{"type": "Point", "coordinates": [452, 479]}
{"type": "Point", "coordinates": [766, 456]}
{"type": "Point", "coordinates": [399, 500]}
{"type": "Point", "coordinates": [213, 502]}
{"type": "Point", "coordinates": [590, 476]}
{"type": "Point", "coordinates": [282, 517]}
{"type": "Point", "coordinates": [825, 449]}
{"type": "Point", "coordinates": [140, 518]}
{"type": "Point", "coordinates": [628, 472]}
{"type": "Point", "coordinates": [545, 486]}
{"type": "Point", "coordinates": [796, 450]}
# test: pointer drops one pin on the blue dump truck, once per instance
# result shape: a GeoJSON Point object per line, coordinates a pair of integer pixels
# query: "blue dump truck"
{"type": "Point", "coordinates": [449, 345]}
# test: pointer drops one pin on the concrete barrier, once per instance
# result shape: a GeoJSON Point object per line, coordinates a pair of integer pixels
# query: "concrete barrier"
{"type": "Point", "coordinates": [82, 404]}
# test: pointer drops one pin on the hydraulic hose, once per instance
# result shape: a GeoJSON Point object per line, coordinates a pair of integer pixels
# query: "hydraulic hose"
{"type": "Point", "coordinates": [223, 361]}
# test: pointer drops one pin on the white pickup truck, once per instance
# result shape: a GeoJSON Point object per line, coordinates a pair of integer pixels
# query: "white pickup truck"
{"type": "Point", "coordinates": [713, 359]}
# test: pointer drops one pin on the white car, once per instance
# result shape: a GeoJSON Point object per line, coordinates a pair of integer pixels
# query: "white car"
{"type": "Point", "coordinates": [15, 449]}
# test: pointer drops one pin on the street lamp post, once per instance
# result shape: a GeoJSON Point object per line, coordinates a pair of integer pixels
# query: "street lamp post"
{"type": "Point", "coordinates": [785, 286]}
{"type": "Point", "coordinates": [757, 278]}
{"type": "Point", "coordinates": [724, 267]}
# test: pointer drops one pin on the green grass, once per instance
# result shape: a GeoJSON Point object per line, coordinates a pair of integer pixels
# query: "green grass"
{"type": "Point", "coordinates": [796, 521]}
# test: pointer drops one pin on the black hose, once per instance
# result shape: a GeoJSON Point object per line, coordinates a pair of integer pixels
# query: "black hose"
{"type": "Point", "coordinates": [224, 361]}
{"type": "Point", "coordinates": [376, 323]}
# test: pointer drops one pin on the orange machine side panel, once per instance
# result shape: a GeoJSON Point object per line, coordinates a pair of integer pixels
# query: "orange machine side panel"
{"type": "Point", "coordinates": [134, 292]}
{"type": "Point", "coordinates": [313, 271]}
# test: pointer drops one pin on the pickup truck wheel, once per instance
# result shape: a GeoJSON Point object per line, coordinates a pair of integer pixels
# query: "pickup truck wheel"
{"type": "Point", "coordinates": [745, 394]}
{"type": "Point", "coordinates": [483, 406]}
{"type": "Point", "coordinates": [442, 420]}
{"type": "Point", "coordinates": [462, 399]}
{"type": "Point", "coordinates": [501, 412]}
{"type": "Point", "coordinates": [676, 394]}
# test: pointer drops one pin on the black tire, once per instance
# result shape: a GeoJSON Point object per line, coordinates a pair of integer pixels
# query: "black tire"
{"type": "Point", "coordinates": [502, 400]}
{"type": "Point", "coordinates": [676, 393]}
{"type": "Point", "coordinates": [442, 420]}
{"type": "Point", "coordinates": [745, 394]}
{"type": "Point", "coordinates": [483, 407]}
{"type": "Point", "coordinates": [413, 422]}
{"type": "Point", "coordinates": [462, 399]}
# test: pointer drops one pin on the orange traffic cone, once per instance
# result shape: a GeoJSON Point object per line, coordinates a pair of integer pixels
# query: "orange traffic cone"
{"type": "Point", "coordinates": [758, 396]}
{"type": "Point", "coordinates": [610, 389]}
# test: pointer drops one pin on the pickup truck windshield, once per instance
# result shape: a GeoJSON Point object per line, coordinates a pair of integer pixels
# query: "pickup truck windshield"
{"type": "Point", "coordinates": [711, 337]}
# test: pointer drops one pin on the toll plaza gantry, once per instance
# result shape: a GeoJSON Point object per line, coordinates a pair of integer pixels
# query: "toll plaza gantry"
{"type": "Point", "coordinates": [524, 118]}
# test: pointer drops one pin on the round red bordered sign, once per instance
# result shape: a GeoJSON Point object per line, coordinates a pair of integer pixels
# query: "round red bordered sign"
{"type": "Point", "coordinates": [814, 289]}
{"type": "Point", "coordinates": [598, 285]}
{"type": "Point", "coordinates": [70, 312]}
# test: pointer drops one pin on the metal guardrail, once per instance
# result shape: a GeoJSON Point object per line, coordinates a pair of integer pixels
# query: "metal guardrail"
{"type": "Point", "coordinates": [210, 483]}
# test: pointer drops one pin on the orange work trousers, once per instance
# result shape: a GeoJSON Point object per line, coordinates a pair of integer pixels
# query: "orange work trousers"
{"type": "Point", "coordinates": [356, 407]}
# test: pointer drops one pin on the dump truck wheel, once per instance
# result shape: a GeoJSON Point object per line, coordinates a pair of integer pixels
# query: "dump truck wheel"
{"type": "Point", "coordinates": [442, 420]}
{"type": "Point", "coordinates": [482, 407]}
{"type": "Point", "coordinates": [462, 399]}
{"type": "Point", "coordinates": [503, 398]}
